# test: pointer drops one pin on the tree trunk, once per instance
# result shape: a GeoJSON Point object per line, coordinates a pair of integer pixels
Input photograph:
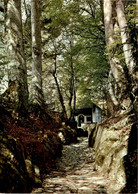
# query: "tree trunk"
{"type": "Point", "coordinates": [130, 63]}
{"type": "Point", "coordinates": [125, 37]}
{"type": "Point", "coordinates": [37, 94]}
{"type": "Point", "coordinates": [64, 114]}
{"type": "Point", "coordinates": [71, 89]}
{"type": "Point", "coordinates": [74, 101]}
{"type": "Point", "coordinates": [111, 89]}
{"type": "Point", "coordinates": [121, 97]}
{"type": "Point", "coordinates": [61, 100]}
{"type": "Point", "coordinates": [14, 41]}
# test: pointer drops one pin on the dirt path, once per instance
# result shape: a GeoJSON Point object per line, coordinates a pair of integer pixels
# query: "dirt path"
{"type": "Point", "coordinates": [74, 173]}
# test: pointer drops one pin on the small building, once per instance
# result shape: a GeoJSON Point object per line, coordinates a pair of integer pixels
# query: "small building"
{"type": "Point", "coordinates": [88, 115]}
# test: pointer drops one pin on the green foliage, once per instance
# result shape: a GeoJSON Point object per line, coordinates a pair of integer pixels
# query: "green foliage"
{"type": "Point", "coordinates": [80, 23]}
{"type": "Point", "coordinates": [73, 31]}
{"type": "Point", "coordinates": [54, 17]}
{"type": "Point", "coordinates": [131, 15]}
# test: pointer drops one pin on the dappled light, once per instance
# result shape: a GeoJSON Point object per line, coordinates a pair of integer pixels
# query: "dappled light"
{"type": "Point", "coordinates": [68, 96]}
{"type": "Point", "coordinates": [74, 172]}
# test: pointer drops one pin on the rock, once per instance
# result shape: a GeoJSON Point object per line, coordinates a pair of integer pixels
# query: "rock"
{"type": "Point", "coordinates": [13, 174]}
{"type": "Point", "coordinates": [110, 141]}
{"type": "Point", "coordinates": [61, 136]}
{"type": "Point", "coordinates": [18, 173]}
{"type": "Point", "coordinates": [91, 134]}
{"type": "Point", "coordinates": [67, 135]}
{"type": "Point", "coordinates": [33, 173]}
{"type": "Point", "coordinates": [130, 162]}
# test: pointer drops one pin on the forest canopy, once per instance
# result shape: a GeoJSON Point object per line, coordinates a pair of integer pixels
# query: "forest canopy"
{"type": "Point", "coordinates": [67, 54]}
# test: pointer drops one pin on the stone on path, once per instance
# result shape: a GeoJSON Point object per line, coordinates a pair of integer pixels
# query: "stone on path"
{"type": "Point", "coordinates": [75, 172]}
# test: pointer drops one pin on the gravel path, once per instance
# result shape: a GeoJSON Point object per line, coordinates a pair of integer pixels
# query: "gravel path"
{"type": "Point", "coordinates": [74, 172]}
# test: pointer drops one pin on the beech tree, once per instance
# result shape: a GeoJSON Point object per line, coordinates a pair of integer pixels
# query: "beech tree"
{"type": "Point", "coordinates": [82, 68]}
{"type": "Point", "coordinates": [69, 63]}
{"type": "Point", "coordinates": [37, 93]}
{"type": "Point", "coordinates": [127, 48]}
{"type": "Point", "coordinates": [54, 73]}
{"type": "Point", "coordinates": [14, 42]}
{"type": "Point", "coordinates": [71, 87]}
{"type": "Point", "coordinates": [87, 25]}
{"type": "Point", "coordinates": [121, 77]}
{"type": "Point", "coordinates": [81, 19]}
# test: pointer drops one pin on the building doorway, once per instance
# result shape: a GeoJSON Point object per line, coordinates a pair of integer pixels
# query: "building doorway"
{"type": "Point", "coordinates": [81, 120]}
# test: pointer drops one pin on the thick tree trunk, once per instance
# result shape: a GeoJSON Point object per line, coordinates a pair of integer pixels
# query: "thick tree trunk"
{"type": "Point", "coordinates": [130, 63]}
{"type": "Point", "coordinates": [121, 97]}
{"type": "Point", "coordinates": [125, 37]}
{"type": "Point", "coordinates": [14, 40]}
{"type": "Point", "coordinates": [37, 94]}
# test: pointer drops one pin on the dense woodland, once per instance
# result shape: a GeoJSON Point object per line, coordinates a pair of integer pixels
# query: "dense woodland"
{"type": "Point", "coordinates": [66, 53]}
{"type": "Point", "coordinates": [60, 55]}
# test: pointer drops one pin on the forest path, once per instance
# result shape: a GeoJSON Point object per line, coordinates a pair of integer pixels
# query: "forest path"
{"type": "Point", "coordinates": [74, 172]}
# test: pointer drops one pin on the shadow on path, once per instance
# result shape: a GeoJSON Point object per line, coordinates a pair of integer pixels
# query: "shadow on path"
{"type": "Point", "coordinates": [74, 172]}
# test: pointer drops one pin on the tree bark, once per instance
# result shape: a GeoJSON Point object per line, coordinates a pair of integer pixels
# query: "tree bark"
{"type": "Point", "coordinates": [121, 95]}
{"type": "Point", "coordinates": [61, 100]}
{"type": "Point", "coordinates": [64, 114]}
{"type": "Point", "coordinates": [74, 101]}
{"type": "Point", "coordinates": [111, 90]}
{"type": "Point", "coordinates": [125, 37]}
{"type": "Point", "coordinates": [71, 89]}
{"type": "Point", "coordinates": [130, 62]}
{"type": "Point", "coordinates": [37, 93]}
{"type": "Point", "coordinates": [14, 41]}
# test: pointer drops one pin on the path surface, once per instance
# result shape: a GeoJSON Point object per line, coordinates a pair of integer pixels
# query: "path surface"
{"type": "Point", "coordinates": [74, 173]}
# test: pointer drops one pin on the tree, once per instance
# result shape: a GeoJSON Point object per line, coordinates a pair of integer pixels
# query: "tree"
{"type": "Point", "coordinates": [127, 48]}
{"type": "Point", "coordinates": [37, 93]}
{"type": "Point", "coordinates": [14, 41]}
{"type": "Point", "coordinates": [71, 86]}
{"type": "Point", "coordinates": [69, 57]}
{"type": "Point", "coordinates": [64, 114]}
{"type": "Point", "coordinates": [86, 57]}
{"type": "Point", "coordinates": [122, 65]}
{"type": "Point", "coordinates": [87, 25]}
